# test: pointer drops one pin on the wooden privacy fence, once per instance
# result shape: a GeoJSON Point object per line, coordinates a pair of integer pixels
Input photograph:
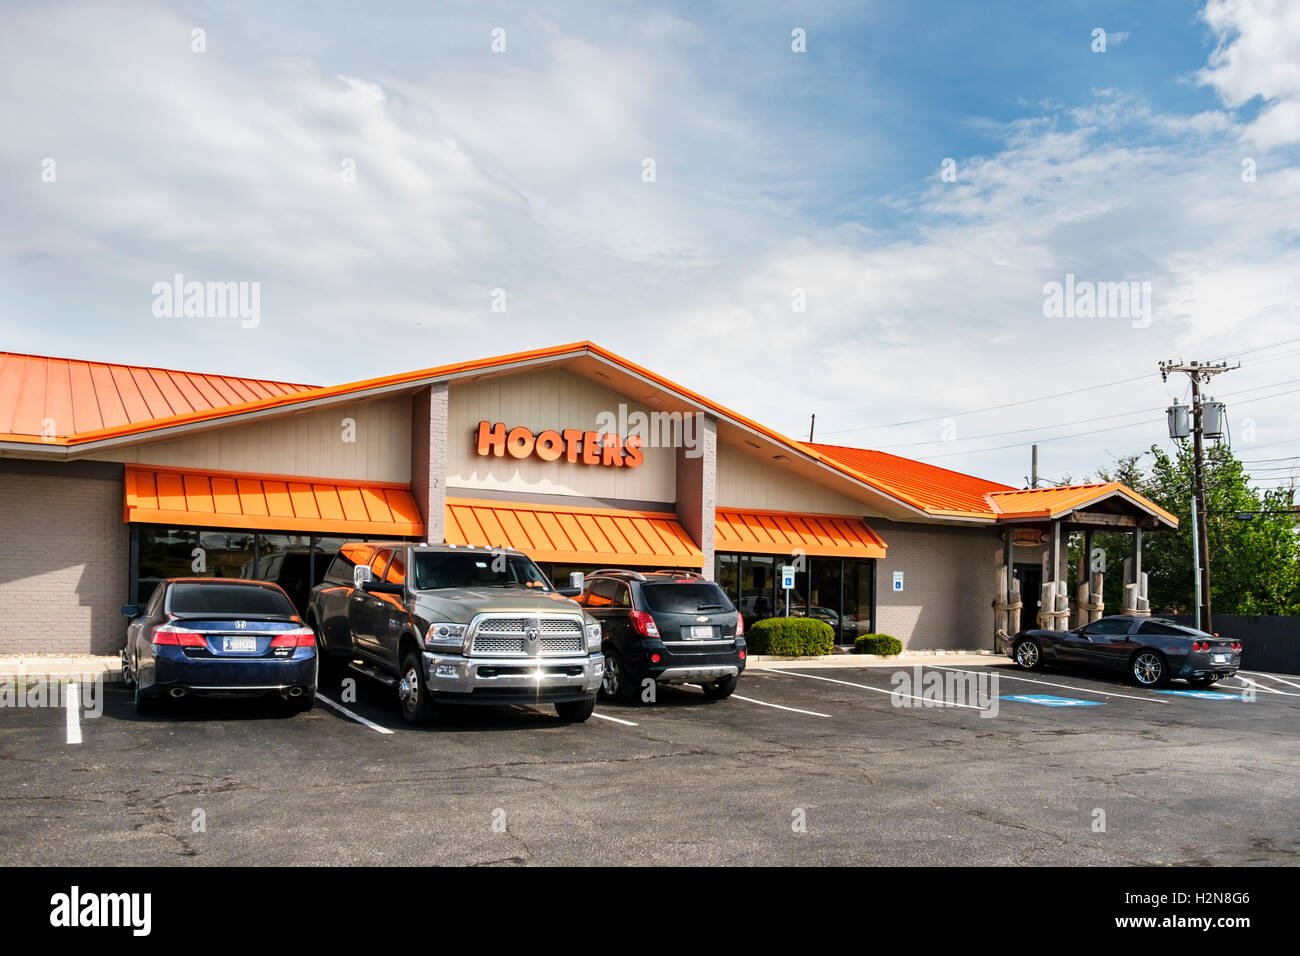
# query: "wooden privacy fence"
{"type": "Point", "coordinates": [1270, 644]}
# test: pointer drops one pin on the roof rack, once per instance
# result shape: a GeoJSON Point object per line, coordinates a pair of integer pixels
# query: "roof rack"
{"type": "Point", "coordinates": [632, 574]}
{"type": "Point", "coordinates": [679, 571]}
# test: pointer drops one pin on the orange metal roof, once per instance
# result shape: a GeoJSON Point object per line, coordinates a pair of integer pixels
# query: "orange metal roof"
{"type": "Point", "coordinates": [222, 499]}
{"type": "Point", "coordinates": [782, 532]}
{"type": "Point", "coordinates": [80, 397]}
{"type": "Point", "coordinates": [933, 489]}
{"type": "Point", "coordinates": [1049, 502]}
{"type": "Point", "coordinates": [581, 535]}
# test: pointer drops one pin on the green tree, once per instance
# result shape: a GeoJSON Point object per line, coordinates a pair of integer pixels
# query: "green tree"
{"type": "Point", "coordinates": [1254, 564]}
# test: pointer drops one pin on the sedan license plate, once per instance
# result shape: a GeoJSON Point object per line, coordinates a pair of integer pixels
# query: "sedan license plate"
{"type": "Point", "coordinates": [703, 633]}
{"type": "Point", "coordinates": [1220, 658]}
{"type": "Point", "coordinates": [239, 644]}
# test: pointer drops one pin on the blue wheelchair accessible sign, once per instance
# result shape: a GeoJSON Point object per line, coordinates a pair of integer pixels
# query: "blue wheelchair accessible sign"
{"type": "Point", "coordinates": [1047, 700]}
{"type": "Point", "coordinates": [1206, 694]}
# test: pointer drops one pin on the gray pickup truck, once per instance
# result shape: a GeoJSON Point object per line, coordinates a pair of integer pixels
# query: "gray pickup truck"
{"type": "Point", "coordinates": [452, 625]}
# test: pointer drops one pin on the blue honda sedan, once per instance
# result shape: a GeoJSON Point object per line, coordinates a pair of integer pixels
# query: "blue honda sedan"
{"type": "Point", "coordinates": [218, 637]}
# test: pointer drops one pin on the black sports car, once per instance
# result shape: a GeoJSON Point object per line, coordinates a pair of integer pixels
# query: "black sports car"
{"type": "Point", "coordinates": [1152, 651]}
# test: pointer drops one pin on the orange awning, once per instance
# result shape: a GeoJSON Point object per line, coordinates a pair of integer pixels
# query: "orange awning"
{"type": "Point", "coordinates": [781, 532]}
{"type": "Point", "coordinates": [578, 535]}
{"type": "Point", "coordinates": [223, 499]}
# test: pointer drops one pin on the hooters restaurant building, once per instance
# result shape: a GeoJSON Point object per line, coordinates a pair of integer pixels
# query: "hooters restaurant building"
{"type": "Point", "coordinates": [113, 477]}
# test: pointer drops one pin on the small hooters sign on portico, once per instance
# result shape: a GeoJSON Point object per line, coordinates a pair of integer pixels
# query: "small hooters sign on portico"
{"type": "Point", "coordinates": [572, 444]}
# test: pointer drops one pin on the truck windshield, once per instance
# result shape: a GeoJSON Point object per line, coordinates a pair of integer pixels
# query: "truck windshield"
{"type": "Point", "coordinates": [468, 569]}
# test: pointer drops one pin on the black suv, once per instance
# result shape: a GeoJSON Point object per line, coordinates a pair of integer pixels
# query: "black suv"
{"type": "Point", "coordinates": [673, 627]}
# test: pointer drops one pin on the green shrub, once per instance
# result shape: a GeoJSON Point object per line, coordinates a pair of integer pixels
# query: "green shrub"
{"type": "Point", "coordinates": [880, 644]}
{"type": "Point", "coordinates": [791, 637]}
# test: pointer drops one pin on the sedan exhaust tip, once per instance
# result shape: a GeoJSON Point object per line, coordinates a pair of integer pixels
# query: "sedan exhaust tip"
{"type": "Point", "coordinates": [295, 691]}
{"type": "Point", "coordinates": [178, 692]}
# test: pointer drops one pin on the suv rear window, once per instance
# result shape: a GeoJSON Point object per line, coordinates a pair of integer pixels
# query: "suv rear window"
{"type": "Point", "coordinates": [670, 598]}
{"type": "Point", "coordinates": [250, 599]}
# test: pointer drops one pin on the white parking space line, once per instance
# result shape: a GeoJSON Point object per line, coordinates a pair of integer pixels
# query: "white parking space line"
{"type": "Point", "coordinates": [881, 690]}
{"type": "Point", "coordinates": [794, 710]}
{"type": "Point", "coordinates": [357, 717]}
{"type": "Point", "coordinates": [1255, 685]}
{"type": "Point", "coordinates": [1081, 690]}
{"type": "Point", "coordinates": [72, 701]}
{"type": "Point", "coordinates": [1271, 677]}
{"type": "Point", "coordinates": [617, 720]}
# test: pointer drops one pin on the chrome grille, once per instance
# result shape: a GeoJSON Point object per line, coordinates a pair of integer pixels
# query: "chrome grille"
{"type": "Point", "coordinates": [504, 637]}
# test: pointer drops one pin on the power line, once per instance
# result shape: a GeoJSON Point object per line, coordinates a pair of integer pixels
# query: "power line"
{"type": "Point", "coordinates": [990, 408]}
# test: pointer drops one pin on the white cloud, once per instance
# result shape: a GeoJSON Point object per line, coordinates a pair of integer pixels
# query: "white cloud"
{"type": "Point", "coordinates": [1258, 55]}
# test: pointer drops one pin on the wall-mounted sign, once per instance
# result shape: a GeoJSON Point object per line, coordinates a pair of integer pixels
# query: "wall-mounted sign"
{"type": "Point", "coordinates": [1030, 536]}
{"type": "Point", "coordinates": [571, 444]}
{"type": "Point", "coordinates": [898, 580]}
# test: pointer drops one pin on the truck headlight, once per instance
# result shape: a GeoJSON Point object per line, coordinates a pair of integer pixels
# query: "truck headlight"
{"type": "Point", "coordinates": [594, 635]}
{"type": "Point", "coordinates": [446, 637]}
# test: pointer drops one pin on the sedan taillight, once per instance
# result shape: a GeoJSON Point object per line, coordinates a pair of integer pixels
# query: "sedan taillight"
{"type": "Point", "coordinates": [298, 637]}
{"type": "Point", "coordinates": [168, 634]}
{"type": "Point", "coordinates": [644, 624]}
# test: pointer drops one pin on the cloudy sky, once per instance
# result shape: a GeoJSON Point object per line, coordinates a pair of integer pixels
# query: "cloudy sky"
{"type": "Point", "coordinates": [862, 230]}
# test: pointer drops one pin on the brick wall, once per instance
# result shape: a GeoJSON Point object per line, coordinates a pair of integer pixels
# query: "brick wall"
{"type": "Point", "coordinates": [697, 489]}
{"type": "Point", "coordinates": [63, 564]}
{"type": "Point", "coordinates": [429, 408]}
{"type": "Point", "coordinates": [948, 577]}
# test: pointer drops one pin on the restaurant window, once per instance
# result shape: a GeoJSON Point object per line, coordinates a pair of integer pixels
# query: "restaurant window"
{"type": "Point", "coordinates": [285, 559]}
{"type": "Point", "coordinates": [164, 553]}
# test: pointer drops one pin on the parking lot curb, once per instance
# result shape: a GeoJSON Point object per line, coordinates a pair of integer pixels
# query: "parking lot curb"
{"type": "Point", "coordinates": [82, 667]}
{"type": "Point", "coordinates": [972, 659]}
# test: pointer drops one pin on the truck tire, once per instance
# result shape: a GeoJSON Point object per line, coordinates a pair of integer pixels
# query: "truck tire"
{"type": "Point", "coordinates": [576, 711]}
{"type": "Point", "coordinates": [721, 688]}
{"type": "Point", "coordinates": [418, 708]}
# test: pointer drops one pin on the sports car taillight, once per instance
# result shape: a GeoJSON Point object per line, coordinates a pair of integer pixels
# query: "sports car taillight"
{"type": "Point", "coordinates": [178, 637]}
{"type": "Point", "coordinates": [644, 624]}
{"type": "Point", "coordinates": [298, 637]}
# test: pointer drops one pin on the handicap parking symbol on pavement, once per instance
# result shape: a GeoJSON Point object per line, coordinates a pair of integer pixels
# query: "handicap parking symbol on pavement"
{"type": "Point", "coordinates": [1047, 700]}
{"type": "Point", "coordinates": [1206, 694]}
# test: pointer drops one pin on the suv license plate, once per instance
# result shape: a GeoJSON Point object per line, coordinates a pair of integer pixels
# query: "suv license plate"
{"type": "Point", "coordinates": [239, 644]}
{"type": "Point", "coordinates": [701, 633]}
{"type": "Point", "coordinates": [1220, 658]}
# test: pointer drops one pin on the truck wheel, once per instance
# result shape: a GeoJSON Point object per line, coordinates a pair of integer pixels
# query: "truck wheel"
{"type": "Point", "coordinates": [720, 689]}
{"type": "Point", "coordinates": [418, 707]}
{"type": "Point", "coordinates": [576, 711]}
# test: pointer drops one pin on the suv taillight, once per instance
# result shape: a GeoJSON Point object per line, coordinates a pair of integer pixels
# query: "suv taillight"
{"type": "Point", "coordinates": [177, 637]}
{"type": "Point", "coordinates": [740, 625]}
{"type": "Point", "coordinates": [644, 624]}
{"type": "Point", "coordinates": [298, 637]}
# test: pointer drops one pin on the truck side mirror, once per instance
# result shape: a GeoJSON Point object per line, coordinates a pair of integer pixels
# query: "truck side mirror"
{"type": "Point", "coordinates": [362, 575]}
{"type": "Point", "coordinates": [576, 579]}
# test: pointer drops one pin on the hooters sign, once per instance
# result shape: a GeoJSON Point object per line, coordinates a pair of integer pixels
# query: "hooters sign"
{"type": "Point", "coordinates": [571, 444]}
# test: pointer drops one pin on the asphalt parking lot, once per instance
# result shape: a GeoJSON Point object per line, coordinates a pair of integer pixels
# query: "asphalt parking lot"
{"type": "Point", "coordinates": [803, 766]}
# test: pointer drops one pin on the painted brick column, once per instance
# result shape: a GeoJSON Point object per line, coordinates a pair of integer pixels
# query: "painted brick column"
{"type": "Point", "coordinates": [429, 458]}
{"type": "Point", "coordinates": [697, 487]}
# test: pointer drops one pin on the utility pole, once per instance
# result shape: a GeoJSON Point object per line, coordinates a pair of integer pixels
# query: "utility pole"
{"type": "Point", "coordinates": [1033, 469]}
{"type": "Point", "coordinates": [1200, 373]}
{"type": "Point", "coordinates": [812, 427]}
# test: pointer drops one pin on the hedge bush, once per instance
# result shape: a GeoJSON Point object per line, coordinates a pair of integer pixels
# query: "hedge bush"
{"type": "Point", "coordinates": [791, 637]}
{"type": "Point", "coordinates": [879, 644]}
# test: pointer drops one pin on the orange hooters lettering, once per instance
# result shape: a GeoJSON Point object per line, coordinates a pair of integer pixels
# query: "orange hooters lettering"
{"type": "Point", "coordinates": [573, 444]}
{"type": "Point", "coordinates": [492, 438]}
